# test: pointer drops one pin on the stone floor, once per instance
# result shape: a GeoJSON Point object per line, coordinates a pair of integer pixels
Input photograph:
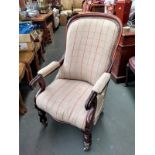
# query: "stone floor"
{"type": "Point", "coordinates": [114, 133]}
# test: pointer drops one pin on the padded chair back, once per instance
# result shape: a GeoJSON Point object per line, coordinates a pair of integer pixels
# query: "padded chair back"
{"type": "Point", "coordinates": [91, 39]}
{"type": "Point", "coordinates": [67, 4]}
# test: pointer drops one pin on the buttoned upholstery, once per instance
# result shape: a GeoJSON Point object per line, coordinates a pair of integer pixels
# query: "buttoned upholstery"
{"type": "Point", "coordinates": [89, 44]}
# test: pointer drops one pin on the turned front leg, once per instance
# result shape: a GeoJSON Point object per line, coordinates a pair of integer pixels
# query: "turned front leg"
{"type": "Point", "coordinates": [87, 140]}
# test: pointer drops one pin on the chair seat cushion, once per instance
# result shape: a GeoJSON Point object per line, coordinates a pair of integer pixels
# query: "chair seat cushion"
{"type": "Point", "coordinates": [65, 101]}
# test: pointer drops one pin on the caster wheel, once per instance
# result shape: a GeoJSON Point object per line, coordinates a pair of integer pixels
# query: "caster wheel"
{"type": "Point", "coordinates": [44, 122]}
{"type": "Point", "coordinates": [86, 147]}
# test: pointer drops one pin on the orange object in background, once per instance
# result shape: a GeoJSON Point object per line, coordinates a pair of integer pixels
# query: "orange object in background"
{"type": "Point", "coordinates": [122, 10]}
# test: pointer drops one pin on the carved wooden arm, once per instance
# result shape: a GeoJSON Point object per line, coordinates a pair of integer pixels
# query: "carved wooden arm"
{"type": "Point", "coordinates": [98, 88]}
{"type": "Point", "coordinates": [43, 73]}
{"type": "Point", "coordinates": [91, 101]}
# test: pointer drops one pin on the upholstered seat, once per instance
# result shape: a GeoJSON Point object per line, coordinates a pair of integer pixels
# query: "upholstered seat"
{"type": "Point", "coordinates": [64, 101]}
{"type": "Point", "coordinates": [77, 94]}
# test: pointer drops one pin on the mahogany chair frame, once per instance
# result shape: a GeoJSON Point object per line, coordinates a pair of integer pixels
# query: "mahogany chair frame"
{"type": "Point", "coordinates": [91, 102]}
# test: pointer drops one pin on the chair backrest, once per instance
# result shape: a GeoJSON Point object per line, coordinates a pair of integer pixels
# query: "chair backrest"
{"type": "Point", "coordinates": [77, 4]}
{"type": "Point", "coordinates": [67, 4]}
{"type": "Point", "coordinates": [91, 39]}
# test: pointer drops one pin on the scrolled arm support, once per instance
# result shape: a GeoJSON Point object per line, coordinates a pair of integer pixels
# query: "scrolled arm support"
{"type": "Point", "coordinates": [40, 80]}
{"type": "Point", "coordinates": [91, 101]}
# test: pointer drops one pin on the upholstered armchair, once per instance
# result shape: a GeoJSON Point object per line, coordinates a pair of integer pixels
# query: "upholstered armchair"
{"type": "Point", "coordinates": [66, 7]}
{"type": "Point", "coordinates": [76, 96]}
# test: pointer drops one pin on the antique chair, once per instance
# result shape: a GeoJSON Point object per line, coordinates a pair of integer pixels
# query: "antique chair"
{"type": "Point", "coordinates": [76, 96]}
{"type": "Point", "coordinates": [66, 7]}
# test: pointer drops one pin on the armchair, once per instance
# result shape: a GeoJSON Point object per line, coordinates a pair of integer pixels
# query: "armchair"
{"type": "Point", "coordinates": [76, 96]}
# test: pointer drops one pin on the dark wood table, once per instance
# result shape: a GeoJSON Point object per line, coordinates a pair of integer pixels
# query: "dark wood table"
{"type": "Point", "coordinates": [125, 50]}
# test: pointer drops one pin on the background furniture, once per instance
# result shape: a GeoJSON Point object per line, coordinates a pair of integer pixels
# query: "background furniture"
{"type": "Point", "coordinates": [22, 70]}
{"type": "Point", "coordinates": [125, 50]}
{"type": "Point", "coordinates": [122, 10]}
{"type": "Point", "coordinates": [77, 6]}
{"type": "Point", "coordinates": [87, 71]}
{"type": "Point", "coordinates": [97, 7]}
{"type": "Point", "coordinates": [44, 20]}
{"type": "Point", "coordinates": [130, 66]}
{"type": "Point", "coordinates": [66, 7]}
{"type": "Point", "coordinates": [27, 57]}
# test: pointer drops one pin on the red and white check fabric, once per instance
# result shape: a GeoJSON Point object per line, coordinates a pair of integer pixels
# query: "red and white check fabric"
{"type": "Point", "coordinates": [65, 101]}
{"type": "Point", "coordinates": [90, 42]}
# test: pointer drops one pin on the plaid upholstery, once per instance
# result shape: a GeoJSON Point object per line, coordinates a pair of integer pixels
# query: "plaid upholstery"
{"type": "Point", "coordinates": [89, 45]}
{"type": "Point", "coordinates": [65, 101]}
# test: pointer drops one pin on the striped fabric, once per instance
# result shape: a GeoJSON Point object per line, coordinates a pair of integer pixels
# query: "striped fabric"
{"type": "Point", "coordinates": [89, 45]}
{"type": "Point", "coordinates": [65, 101]}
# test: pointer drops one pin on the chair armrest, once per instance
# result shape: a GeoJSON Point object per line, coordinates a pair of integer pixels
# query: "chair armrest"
{"type": "Point", "coordinates": [49, 68]}
{"type": "Point", "coordinates": [40, 80]}
{"type": "Point", "coordinates": [101, 83]}
{"type": "Point", "coordinates": [91, 101]}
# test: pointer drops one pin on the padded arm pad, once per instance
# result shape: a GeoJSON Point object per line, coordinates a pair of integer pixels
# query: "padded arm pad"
{"type": "Point", "coordinates": [49, 68]}
{"type": "Point", "coordinates": [101, 82]}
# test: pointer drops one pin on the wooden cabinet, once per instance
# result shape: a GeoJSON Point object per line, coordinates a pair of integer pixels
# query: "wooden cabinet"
{"type": "Point", "coordinates": [125, 50]}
